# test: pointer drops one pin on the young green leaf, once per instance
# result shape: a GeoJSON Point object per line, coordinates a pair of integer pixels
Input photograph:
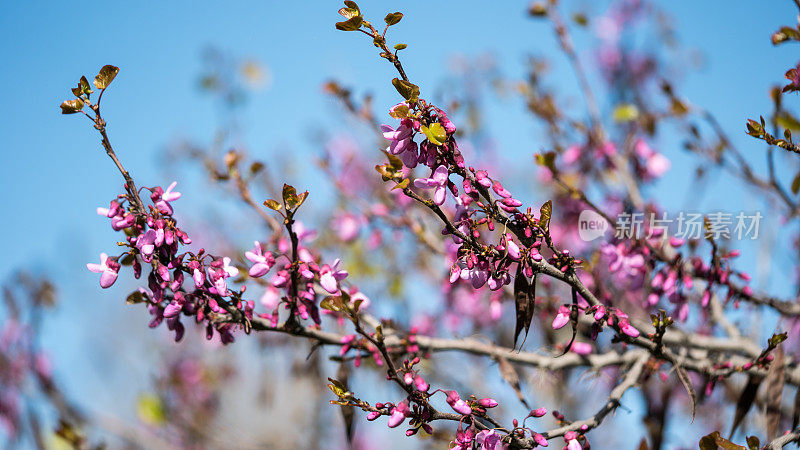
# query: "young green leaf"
{"type": "Point", "coordinates": [393, 18]}
{"type": "Point", "coordinates": [408, 90]}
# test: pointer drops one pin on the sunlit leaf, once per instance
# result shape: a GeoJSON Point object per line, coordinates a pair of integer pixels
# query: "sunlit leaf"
{"type": "Point", "coordinates": [72, 106]}
{"type": "Point", "coordinates": [150, 409]}
{"type": "Point", "coordinates": [435, 133]}
{"type": "Point", "coordinates": [272, 204]}
{"type": "Point", "coordinates": [332, 303]}
{"type": "Point", "coordinates": [106, 76]}
{"type": "Point", "coordinates": [393, 18]}
{"type": "Point", "coordinates": [545, 212]}
{"type": "Point", "coordinates": [408, 90]}
{"type": "Point", "coordinates": [351, 24]}
{"type": "Point", "coordinates": [625, 112]}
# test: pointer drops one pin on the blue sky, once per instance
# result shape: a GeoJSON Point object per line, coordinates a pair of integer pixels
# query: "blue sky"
{"type": "Point", "coordinates": [54, 173]}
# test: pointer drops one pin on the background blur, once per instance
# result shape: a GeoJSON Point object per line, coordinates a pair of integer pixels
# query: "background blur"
{"type": "Point", "coordinates": [54, 174]}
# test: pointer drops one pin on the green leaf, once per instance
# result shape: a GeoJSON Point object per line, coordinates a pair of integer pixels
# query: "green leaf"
{"type": "Point", "coordinates": [580, 19]}
{"type": "Point", "coordinates": [352, 4]}
{"type": "Point", "coordinates": [106, 76]}
{"type": "Point", "coordinates": [150, 409]}
{"type": "Point", "coordinates": [788, 121]}
{"type": "Point", "coordinates": [349, 13]}
{"type": "Point", "coordinates": [289, 195]}
{"type": "Point", "coordinates": [134, 298]}
{"type": "Point", "coordinates": [777, 339]}
{"type": "Point", "coordinates": [403, 184]}
{"type": "Point", "coordinates": [625, 112]}
{"type": "Point", "coordinates": [332, 303]}
{"type": "Point", "coordinates": [256, 167]}
{"type": "Point", "coordinates": [351, 24]}
{"type": "Point", "coordinates": [400, 111]}
{"type": "Point", "coordinates": [400, 46]}
{"type": "Point", "coordinates": [435, 133]}
{"type": "Point", "coordinates": [84, 86]}
{"type": "Point", "coordinates": [408, 90]}
{"type": "Point", "coordinates": [301, 197]}
{"type": "Point", "coordinates": [796, 184]}
{"type": "Point", "coordinates": [272, 204]}
{"type": "Point", "coordinates": [72, 106]}
{"type": "Point", "coordinates": [547, 159]}
{"type": "Point", "coordinates": [393, 18]}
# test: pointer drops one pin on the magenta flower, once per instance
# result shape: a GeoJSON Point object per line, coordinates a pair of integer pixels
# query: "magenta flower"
{"type": "Point", "coordinates": [463, 440]}
{"type": "Point", "coordinates": [329, 277]}
{"type": "Point", "coordinates": [347, 226]}
{"type": "Point", "coordinates": [399, 138]}
{"type": "Point", "coordinates": [162, 198]}
{"type": "Point", "coordinates": [438, 182]}
{"type": "Point", "coordinates": [230, 271]}
{"type": "Point", "coordinates": [571, 439]}
{"type": "Point", "coordinates": [421, 384]}
{"type": "Point", "coordinates": [398, 414]}
{"type": "Point", "coordinates": [271, 298]}
{"type": "Point", "coordinates": [488, 402]}
{"type": "Point", "coordinates": [628, 329]}
{"type": "Point", "coordinates": [146, 244]}
{"type": "Point", "coordinates": [538, 412]}
{"type": "Point", "coordinates": [262, 261]}
{"type": "Point", "coordinates": [490, 440]}
{"type": "Point", "coordinates": [458, 405]}
{"type": "Point", "coordinates": [513, 249]}
{"type": "Point", "coordinates": [581, 348]}
{"type": "Point", "coordinates": [561, 318]}
{"type": "Point", "coordinates": [108, 270]}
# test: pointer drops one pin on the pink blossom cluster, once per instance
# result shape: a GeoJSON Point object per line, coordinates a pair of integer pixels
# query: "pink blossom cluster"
{"type": "Point", "coordinates": [216, 288]}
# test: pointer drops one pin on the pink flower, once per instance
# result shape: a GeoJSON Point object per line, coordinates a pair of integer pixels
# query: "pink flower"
{"type": "Point", "coordinates": [490, 440]}
{"type": "Point", "coordinates": [488, 402]}
{"type": "Point", "coordinates": [657, 165]}
{"type": "Point", "coordinates": [571, 439]}
{"type": "Point", "coordinates": [271, 298]}
{"type": "Point", "coordinates": [581, 348]}
{"type": "Point", "coordinates": [347, 226]}
{"type": "Point", "coordinates": [263, 261]}
{"type": "Point", "coordinates": [399, 138]}
{"type": "Point", "coordinates": [628, 329]}
{"type": "Point", "coordinates": [562, 317]}
{"type": "Point", "coordinates": [500, 190]}
{"type": "Point", "coordinates": [329, 277]}
{"type": "Point", "coordinates": [420, 384]}
{"type": "Point", "coordinates": [458, 405]}
{"type": "Point", "coordinates": [539, 412]}
{"type": "Point", "coordinates": [398, 414]}
{"type": "Point", "coordinates": [162, 199]}
{"type": "Point", "coordinates": [108, 270]}
{"type": "Point", "coordinates": [540, 440]}
{"type": "Point", "coordinates": [438, 182]}
{"type": "Point", "coordinates": [513, 250]}
{"type": "Point", "coordinates": [146, 244]}
{"type": "Point", "coordinates": [230, 271]}
{"type": "Point", "coordinates": [463, 440]}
